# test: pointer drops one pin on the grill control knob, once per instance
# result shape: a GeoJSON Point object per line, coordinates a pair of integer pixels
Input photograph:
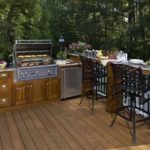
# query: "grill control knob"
{"type": "Point", "coordinates": [21, 74]}
{"type": "Point", "coordinates": [37, 72]}
{"type": "Point", "coordinates": [3, 86]}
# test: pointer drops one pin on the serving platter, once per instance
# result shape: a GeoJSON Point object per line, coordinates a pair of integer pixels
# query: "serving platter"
{"type": "Point", "coordinates": [136, 61]}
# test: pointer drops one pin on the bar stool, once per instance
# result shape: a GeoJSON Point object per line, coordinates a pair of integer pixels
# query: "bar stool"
{"type": "Point", "coordinates": [130, 82]}
{"type": "Point", "coordinates": [91, 75]}
{"type": "Point", "coordinates": [100, 74]}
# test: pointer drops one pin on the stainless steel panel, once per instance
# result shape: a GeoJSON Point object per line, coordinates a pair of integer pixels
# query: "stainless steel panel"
{"type": "Point", "coordinates": [28, 73]}
{"type": "Point", "coordinates": [71, 82]}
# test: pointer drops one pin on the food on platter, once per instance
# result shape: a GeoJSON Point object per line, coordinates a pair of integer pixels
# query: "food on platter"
{"type": "Point", "coordinates": [39, 55]}
{"type": "Point", "coordinates": [44, 55]}
{"type": "Point", "coordinates": [31, 64]}
{"type": "Point", "coordinates": [27, 56]}
{"type": "Point", "coordinates": [24, 64]}
{"type": "Point", "coordinates": [33, 55]}
{"type": "Point", "coordinates": [20, 56]}
{"type": "Point", "coordinates": [36, 63]}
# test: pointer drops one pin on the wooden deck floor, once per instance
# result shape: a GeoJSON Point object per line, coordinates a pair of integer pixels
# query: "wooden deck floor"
{"type": "Point", "coordinates": [66, 126]}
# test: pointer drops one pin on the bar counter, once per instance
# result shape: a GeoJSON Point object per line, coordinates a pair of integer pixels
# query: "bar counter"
{"type": "Point", "coordinates": [111, 102]}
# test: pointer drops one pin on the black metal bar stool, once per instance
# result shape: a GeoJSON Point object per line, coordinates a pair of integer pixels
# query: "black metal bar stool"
{"type": "Point", "coordinates": [132, 85]}
{"type": "Point", "coordinates": [91, 80]}
{"type": "Point", "coordinates": [100, 75]}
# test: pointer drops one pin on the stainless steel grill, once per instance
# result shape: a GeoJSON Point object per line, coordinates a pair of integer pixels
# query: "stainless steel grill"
{"type": "Point", "coordinates": [33, 59]}
{"type": "Point", "coordinates": [34, 72]}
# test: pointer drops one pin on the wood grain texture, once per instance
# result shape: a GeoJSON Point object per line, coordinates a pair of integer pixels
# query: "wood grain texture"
{"type": "Point", "coordinates": [5, 89]}
{"type": "Point", "coordinates": [65, 125]}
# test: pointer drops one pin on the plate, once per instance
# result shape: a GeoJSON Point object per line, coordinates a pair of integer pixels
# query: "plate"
{"type": "Point", "coordinates": [136, 61]}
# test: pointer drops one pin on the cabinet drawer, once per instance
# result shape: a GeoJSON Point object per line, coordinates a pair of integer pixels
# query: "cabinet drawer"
{"type": "Point", "coordinates": [4, 101]}
{"type": "Point", "coordinates": [3, 75]}
{"type": "Point", "coordinates": [4, 87]}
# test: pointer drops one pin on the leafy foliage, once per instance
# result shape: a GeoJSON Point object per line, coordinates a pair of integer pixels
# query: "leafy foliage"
{"type": "Point", "coordinates": [104, 24]}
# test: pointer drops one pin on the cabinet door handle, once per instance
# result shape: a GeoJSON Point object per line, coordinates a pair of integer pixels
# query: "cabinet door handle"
{"type": "Point", "coordinates": [27, 86]}
{"type": "Point", "coordinates": [3, 100]}
{"type": "Point", "coordinates": [47, 84]}
{"type": "Point", "coordinates": [3, 86]}
{"type": "Point", "coordinates": [3, 75]}
{"type": "Point", "coordinates": [31, 86]}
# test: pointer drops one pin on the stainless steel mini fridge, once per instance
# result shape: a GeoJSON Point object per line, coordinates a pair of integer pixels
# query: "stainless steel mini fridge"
{"type": "Point", "coordinates": [71, 81]}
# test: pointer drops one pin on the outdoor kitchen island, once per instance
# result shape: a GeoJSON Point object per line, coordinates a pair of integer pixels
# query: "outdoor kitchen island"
{"type": "Point", "coordinates": [27, 91]}
{"type": "Point", "coordinates": [33, 76]}
{"type": "Point", "coordinates": [27, 85]}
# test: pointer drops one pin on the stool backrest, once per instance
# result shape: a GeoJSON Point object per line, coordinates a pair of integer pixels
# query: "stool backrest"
{"type": "Point", "coordinates": [87, 66]}
{"type": "Point", "coordinates": [130, 78]}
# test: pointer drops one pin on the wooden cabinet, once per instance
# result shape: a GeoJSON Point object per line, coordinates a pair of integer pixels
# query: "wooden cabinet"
{"type": "Point", "coordinates": [21, 93]}
{"type": "Point", "coordinates": [52, 89]}
{"type": "Point", "coordinates": [35, 90]}
{"type": "Point", "coordinates": [74, 57]}
{"type": "Point", "coordinates": [38, 90]}
{"type": "Point", "coordinates": [5, 88]}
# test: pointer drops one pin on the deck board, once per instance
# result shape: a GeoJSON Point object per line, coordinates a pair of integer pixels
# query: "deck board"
{"type": "Point", "coordinates": [65, 125]}
{"type": "Point", "coordinates": [72, 126]}
{"type": "Point", "coordinates": [25, 135]}
{"type": "Point", "coordinates": [43, 131]}
{"type": "Point", "coordinates": [94, 140]}
{"type": "Point", "coordinates": [34, 132]}
{"type": "Point", "coordinates": [95, 128]}
{"type": "Point", "coordinates": [15, 135]}
{"type": "Point", "coordinates": [60, 128]}
{"type": "Point", "coordinates": [6, 139]}
{"type": "Point", "coordinates": [52, 130]}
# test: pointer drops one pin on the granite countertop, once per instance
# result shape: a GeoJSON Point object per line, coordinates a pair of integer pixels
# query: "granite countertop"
{"type": "Point", "coordinates": [67, 62]}
{"type": "Point", "coordinates": [7, 69]}
{"type": "Point", "coordinates": [61, 63]}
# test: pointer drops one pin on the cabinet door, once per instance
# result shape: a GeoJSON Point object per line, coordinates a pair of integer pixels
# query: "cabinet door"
{"type": "Point", "coordinates": [4, 75]}
{"type": "Point", "coordinates": [5, 93]}
{"type": "Point", "coordinates": [5, 88]}
{"type": "Point", "coordinates": [38, 90]}
{"type": "Point", "coordinates": [21, 93]}
{"type": "Point", "coordinates": [53, 89]}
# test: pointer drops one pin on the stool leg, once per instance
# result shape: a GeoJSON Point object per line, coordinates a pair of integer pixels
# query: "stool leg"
{"type": "Point", "coordinates": [114, 120]}
{"type": "Point", "coordinates": [81, 100]}
{"type": "Point", "coordinates": [134, 133]}
{"type": "Point", "coordinates": [96, 87]}
{"type": "Point", "coordinates": [92, 109]}
{"type": "Point", "coordinates": [83, 93]}
{"type": "Point", "coordinates": [134, 125]}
